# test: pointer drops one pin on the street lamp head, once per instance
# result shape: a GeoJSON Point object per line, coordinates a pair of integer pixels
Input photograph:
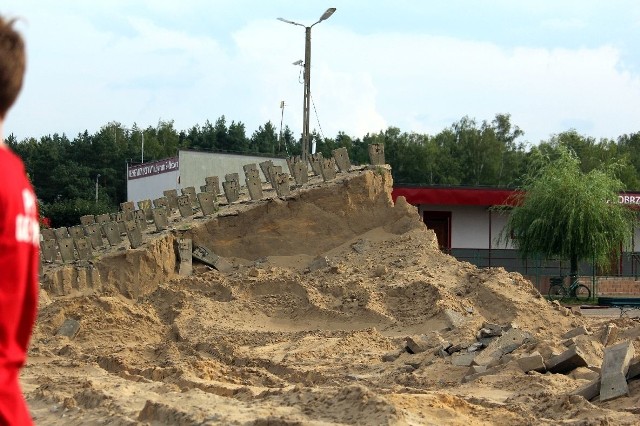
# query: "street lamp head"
{"type": "Point", "coordinates": [327, 14]}
{"type": "Point", "coordinates": [289, 22]}
{"type": "Point", "coordinates": [298, 62]}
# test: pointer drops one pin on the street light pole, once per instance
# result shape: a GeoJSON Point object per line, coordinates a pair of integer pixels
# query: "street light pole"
{"type": "Point", "coordinates": [307, 79]}
{"type": "Point", "coordinates": [97, 177]}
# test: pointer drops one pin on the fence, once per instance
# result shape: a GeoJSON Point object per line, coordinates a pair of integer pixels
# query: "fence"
{"type": "Point", "coordinates": [623, 276]}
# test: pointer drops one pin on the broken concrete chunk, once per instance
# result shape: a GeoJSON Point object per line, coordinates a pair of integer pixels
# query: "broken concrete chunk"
{"type": "Point", "coordinates": [609, 334]}
{"type": "Point", "coordinates": [392, 356]}
{"type": "Point", "coordinates": [475, 347]}
{"type": "Point", "coordinates": [588, 391]}
{"type": "Point", "coordinates": [69, 328]}
{"type": "Point", "coordinates": [360, 246]}
{"type": "Point", "coordinates": [463, 359]}
{"type": "Point", "coordinates": [614, 371]}
{"type": "Point", "coordinates": [453, 318]}
{"type": "Point", "coordinates": [532, 362]}
{"type": "Point", "coordinates": [634, 369]}
{"type": "Point", "coordinates": [318, 263]}
{"type": "Point", "coordinates": [567, 361]}
{"type": "Point", "coordinates": [208, 257]}
{"type": "Point", "coordinates": [416, 344]}
{"type": "Point", "coordinates": [507, 343]}
{"type": "Point", "coordinates": [578, 331]}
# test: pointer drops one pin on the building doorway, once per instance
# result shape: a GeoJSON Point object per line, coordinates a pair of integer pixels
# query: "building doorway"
{"type": "Point", "coordinates": [440, 223]}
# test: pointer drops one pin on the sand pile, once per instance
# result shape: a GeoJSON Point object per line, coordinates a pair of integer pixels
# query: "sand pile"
{"type": "Point", "coordinates": [339, 309]}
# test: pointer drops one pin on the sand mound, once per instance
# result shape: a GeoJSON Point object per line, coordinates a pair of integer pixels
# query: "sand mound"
{"type": "Point", "coordinates": [310, 326]}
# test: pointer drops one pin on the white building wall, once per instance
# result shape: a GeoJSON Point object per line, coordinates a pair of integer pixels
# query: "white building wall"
{"type": "Point", "coordinates": [195, 166]}
{"type": "Point", "coordinates": [473, 227]}
{"type": "Point", "coordinates": [148, 181]}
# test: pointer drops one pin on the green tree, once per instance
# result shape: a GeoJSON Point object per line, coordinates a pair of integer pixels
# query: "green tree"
{"type": "Point", "coordinates": [566, 213]}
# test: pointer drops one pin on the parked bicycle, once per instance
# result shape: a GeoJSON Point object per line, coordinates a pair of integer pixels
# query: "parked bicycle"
{"type": "Point", "coordinates": [575, 290]}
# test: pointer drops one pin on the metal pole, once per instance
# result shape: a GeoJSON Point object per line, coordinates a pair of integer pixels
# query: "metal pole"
{"type": "Point", "coordinates": [97, 177]}
{"type": "Point", "coordinates": [307, 90]}
{"type": "Point", "coordinates": [142, 133]}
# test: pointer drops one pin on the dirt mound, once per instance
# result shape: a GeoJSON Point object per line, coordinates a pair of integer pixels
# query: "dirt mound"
{"type": "Point", "coordinates": [339, 309]}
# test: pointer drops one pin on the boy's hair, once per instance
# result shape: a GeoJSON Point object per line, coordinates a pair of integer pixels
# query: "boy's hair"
{"type": "Point", "coordinates": [12, 65]}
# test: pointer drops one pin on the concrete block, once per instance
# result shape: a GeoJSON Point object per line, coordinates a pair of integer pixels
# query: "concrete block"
{"type": "Point", "coordinates": [463, 359]}
{"type": "Point", "coordinates": [160, 202]}
{"type": "Point", "coordinates": [567, 361]}
{"type": "Point", "coordinates": [128, 207]}
{"type": "Point", "coordinates": [298, 169]}
{"type": "Point", "coordinates": [172, 198]}
{"type": "Point", "coordinates": [615, 366]}
{"type": "Point", "coordinates": [83, 248]}
{"type": "Point", "coordinates": [76, 231]}
{"type": "Point", "coordinates": [49, 250]}
{"type": "Point", "coordinates": [475, 347]}
{"type": "Point", "coordinates": [578, 331]}
{"type": "Point", "coordinates": [316, 163]}
{"type": "Point", "coordinates": [588, 391]}
{"type": "Point", "coordinates": [634, 369]}
{"type": "Point", "coordinates": [102, 218]}
{"type": "Point", "coordinates": [490, 330]}
{"type": "Point", "coordinates": [190, 191]}
{"type": "Point", "coordinates": [69, 328]}
{"type": "Point", "coordinates": [145, 206]}
{"type": "Point", "coordinates": [328, 169]}
{"type": "Point", "coordinates": [453, 318]}
{"type": "Point", "coordinates": [507, 343]}
{"type": "Point", "coordinates": [320, 262]}
{"type": "Point", "coordinates": [254, 186]}
{"type": "Point", "coordinates": [208, 257]}
{"type": "Point", "coordinates": [133, 233]}
{"type": "Point", "coordinates": [281, 184]}
{"type": "Point", "coordinates": [67, 252]}
{"type": "Point", "coordinates": [160, 218]}
{"type": "Point", "coordinates": [609, 334]}
{"type": "Point", "coordinates": [341, 157]}
{"type": "Point", "coordinates": [231, 191]}
{"type": "Point", "coordinates": [267, 170]}
{"type": "Point", "coordinates": [251, 171]}
{"type": "Point", "coordinates": [213, 184]}
{"type": "Point", "coordinates": [416, 344]}
{"type": "Point", "coordinates": [532, 362]}
{"type": "Point", "coordinates": [232, 177]}
{"type": "Point", "coordinates": [121, 227]}
{"type": "Point", "coordinates": [376, 154]}
{"type": "Point", "coordinates": [392, 356]}
{"type": "Point", "coordinates": [47, 234]}
{"type": "Point", "coordinates": [185, 265]}
{"type": "Point", "coordinates": [61, 233]}
{"type": "Point", "coordinates": [207, 203]}
{"type": "Point", "coordinates": [112, 231]}
{"type": "Point", "coordinates": [184, 206]}
{"type": "Point", "coordinates": [94, 234]}
{"type": "Point", "coordinates": [87, 219]}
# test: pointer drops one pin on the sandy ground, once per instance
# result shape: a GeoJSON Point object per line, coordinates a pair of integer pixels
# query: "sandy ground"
{"type": "Point", "coordinates": [309, 327]}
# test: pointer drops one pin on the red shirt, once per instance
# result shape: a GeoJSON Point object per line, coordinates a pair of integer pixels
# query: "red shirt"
{"type": "Point", "coordinates": [19, 264]}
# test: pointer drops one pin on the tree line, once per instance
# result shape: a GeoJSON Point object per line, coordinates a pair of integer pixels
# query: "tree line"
{"type": "Point", "coordinates": [65, 171]}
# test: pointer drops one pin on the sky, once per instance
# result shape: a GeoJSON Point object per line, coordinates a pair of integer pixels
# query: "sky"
{"type": "Point", "coordinates": [413, 64]}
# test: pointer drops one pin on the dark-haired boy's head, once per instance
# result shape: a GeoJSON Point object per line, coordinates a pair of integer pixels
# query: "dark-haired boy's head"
{"type": "Point", "coordinates": [12, 65]}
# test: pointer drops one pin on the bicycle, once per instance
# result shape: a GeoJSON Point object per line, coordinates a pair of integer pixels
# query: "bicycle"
{"type": "Point", "coordinates": [558, 291]}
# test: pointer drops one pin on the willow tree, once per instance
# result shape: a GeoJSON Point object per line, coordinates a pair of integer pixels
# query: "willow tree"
{"type": "Point", "coordinates": [561, 212]}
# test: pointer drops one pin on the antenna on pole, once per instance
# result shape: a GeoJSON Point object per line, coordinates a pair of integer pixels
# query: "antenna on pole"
{"type": "Point", "coordinates": [281, 118]}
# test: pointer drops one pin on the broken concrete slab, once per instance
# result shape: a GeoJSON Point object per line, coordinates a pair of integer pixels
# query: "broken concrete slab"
{"type": "Point", "coordinates": [133, 233]}
{"type": "Point", "coordinates": [67, 252]}
{"type": "Point", "coordinates": [172, 198]}
{"type": "Point", "coordinates": [376, 154]}
{"type": "Point", "coordinates": [94, 234]}
{"type": "Point", "coordinates": [490, 330]}
{"type": "Point", "coordinates": [318, 263]}
{"type": "Point", "coordinates": [316, 163]}
{"type": "Point", "coordinates": [588, 391]}
{"type": "Point", "coordinates": [47, 234]}
{"type": "Point", "coordinates": [615, 366]}
{"type": "Point", "coordinates": [185, 265]}
{"type": "Point", "coordinates": [298, 169]}
{"type": "Point", "coordinates": [61, 233]}
{"type": "Point", "coordinates": [213, 184]}
{"type": "Point", "coordinates": [102, 218]}
{"type": "Point", "coordinates": [160, 218]}
{"type": "Point", "coordinates": [231, 191]}
{"type": "Point", "coordinates": [328, 169]}
{"type": "Point", "coordinates": [190, 191]}
{"type": "Point", "coordinates": [267, 170]}
{"type": "Point", "coordinates": [341, 157]}
{"type": "Point", "coordinates": [532, 362]}
{"type": "Point", "coordinates": [76, 231]}
{"type": "Point", "coordinates": [69, 328]}
{"type": "Point", "coordinates": [49, 250]}
{"type": "Point", "coordinates": [207, 203]}
{"type": "Point", "coordinates": [463, 359]}
{"type": "Point", "coordinates": [112, 231]}
{"type": "Point", "coordinates": [567, 361]}
{"type": "Point", "coordinates": [609, 334]}
{"type": "Point", "coordinates": [416, 344]}
{"type": "Point", "coordinates": [251, 171]}
{"type": "Point", "coordinates": [184, 205]}
{"type": "Point", "coordinates": [128, 207]}
{"type": "Point", "coordinates": [83, 248]}
{"type": "Point", "coordinates": [281, 184]}
{"type": "Point", "coordinates": [254, 186]}
{"type": "Point", "coordinates": [87, 219]}
{"type": "Point", "coordinates": [507, 343]}
{"type": "Point", "coordinates": [208, 257]}
{"type": "Point", "coordinates": [578, 331]}
{"type": "Point", "coordinates": [392, 356]}
{"type": "Point", "coordinates": [453, 318]}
